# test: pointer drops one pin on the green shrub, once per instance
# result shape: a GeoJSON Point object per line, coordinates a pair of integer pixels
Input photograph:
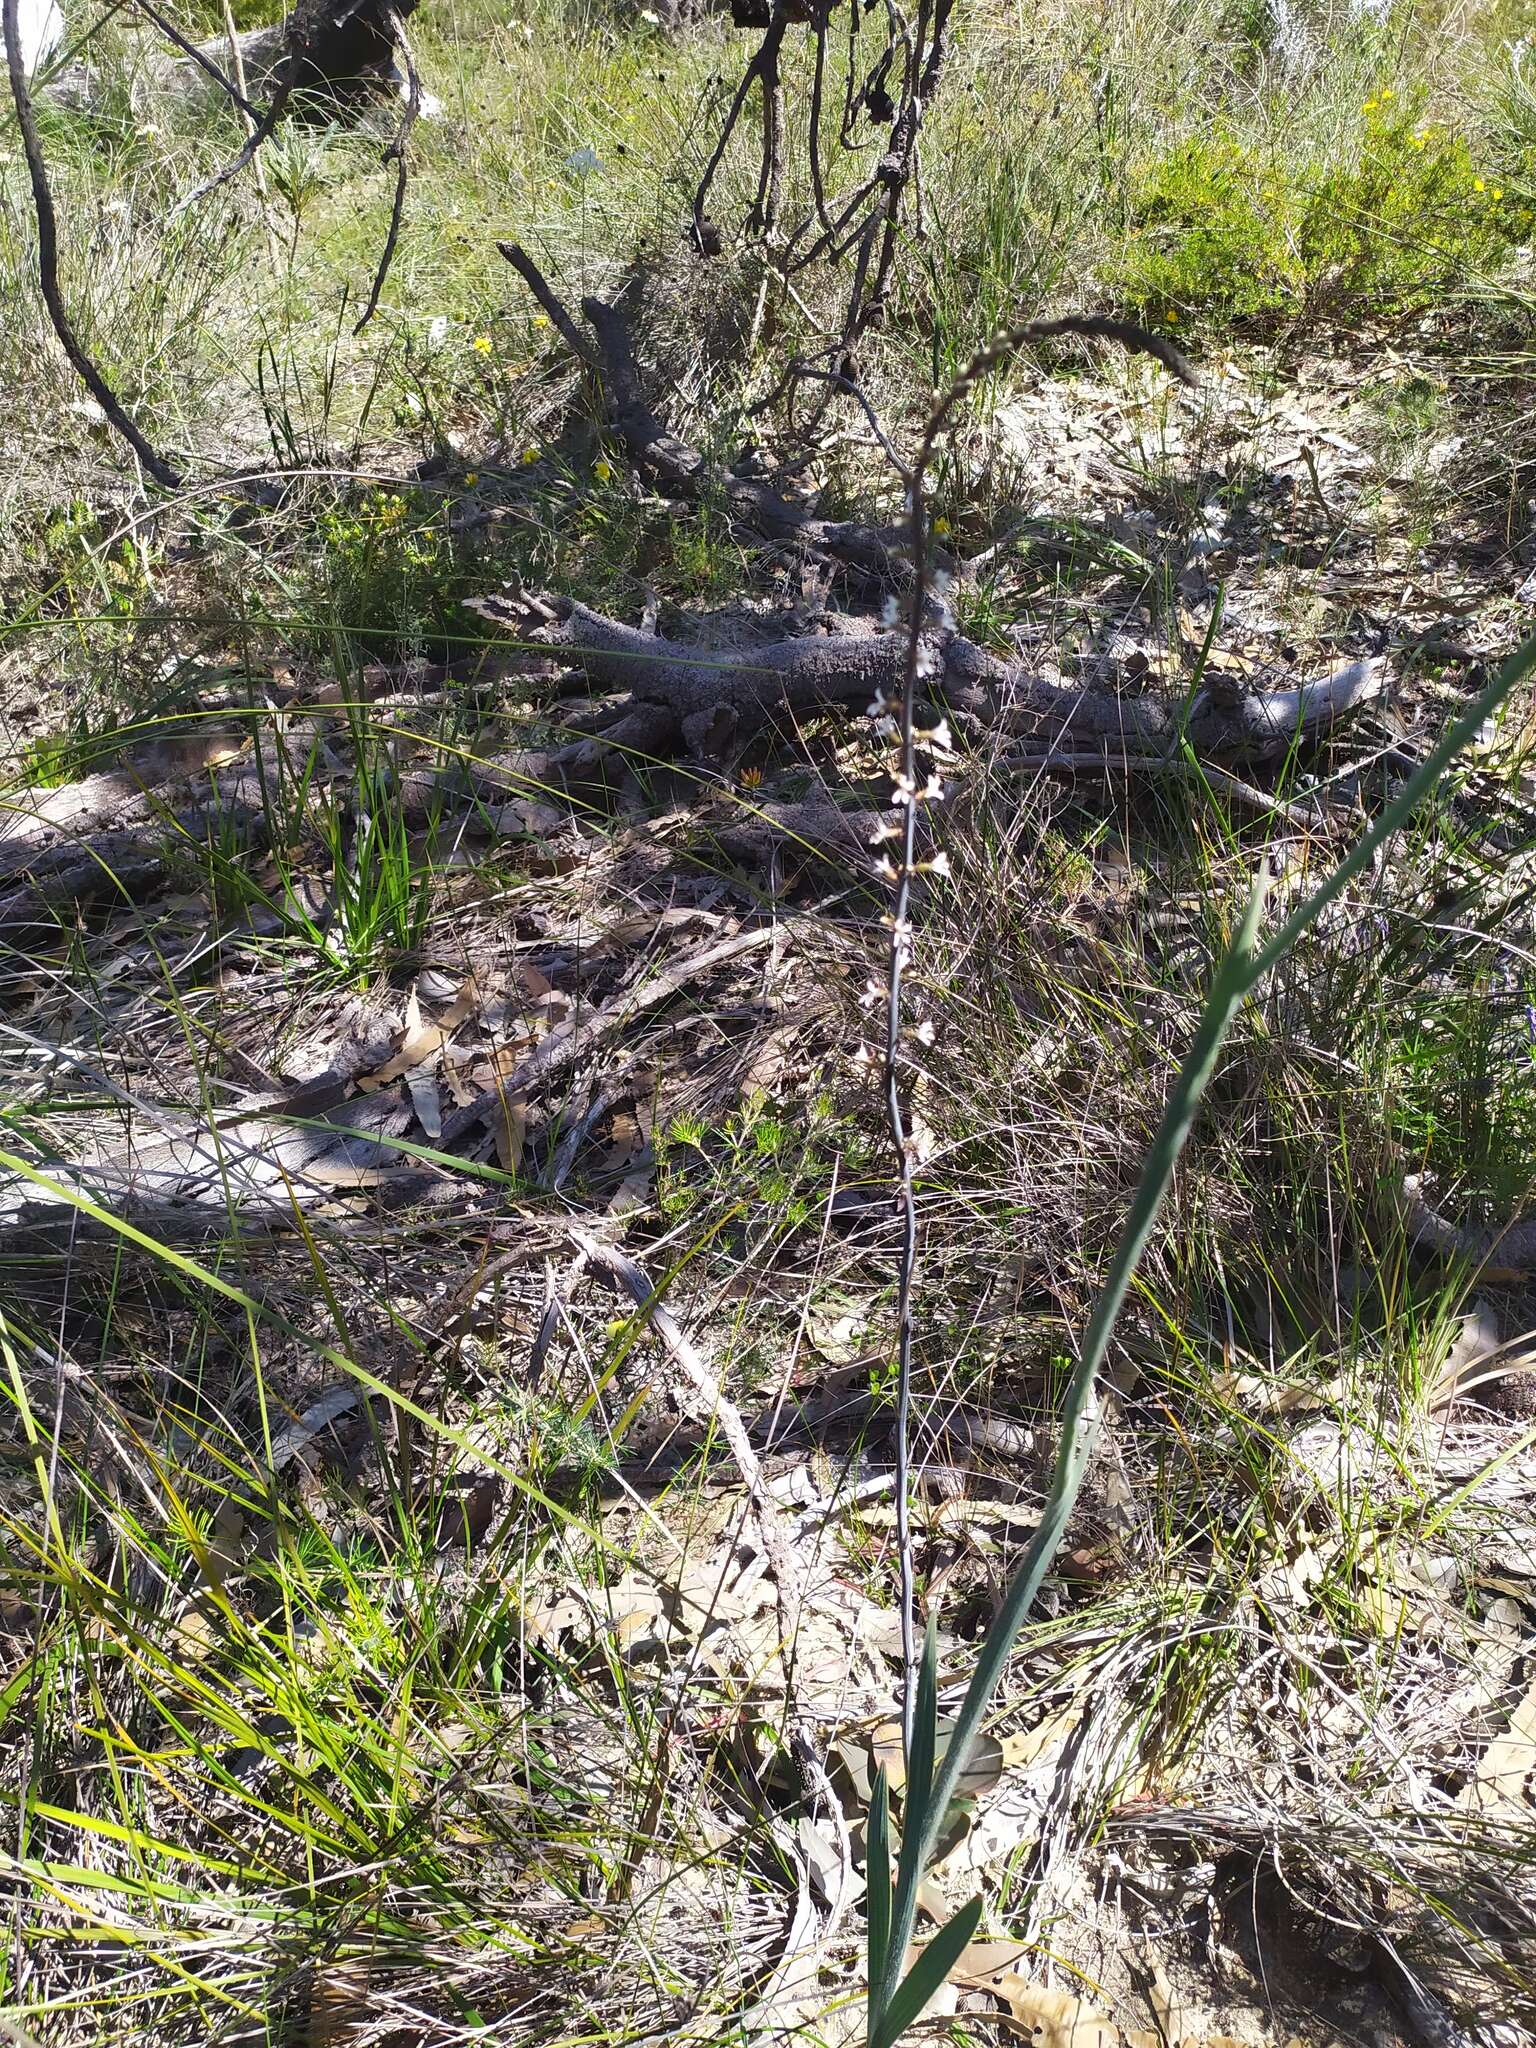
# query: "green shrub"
{"type": "Point", "coordinates": [392, 573]}
{"type": "Point", "coordinates": [1218, 226]}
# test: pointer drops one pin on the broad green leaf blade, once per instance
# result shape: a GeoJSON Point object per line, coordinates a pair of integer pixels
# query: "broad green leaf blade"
{"type": "Point", "coordinates": [919, 1827]}
{"type": "Point", "coordinates": [916, 1990]}
{"type": "Point", "coordinates": [877, 1877]}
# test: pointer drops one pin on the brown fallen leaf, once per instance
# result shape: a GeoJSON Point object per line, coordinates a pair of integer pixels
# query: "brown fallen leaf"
{"type": "Point", "coordinates": [1047, 2017]}
{"type": "Point", "coordinates": [422, 1040]}
{"type": "Point", "coordinates": [509, 1127]}
{"type": "Point", "coordinates": [1503, 1781]}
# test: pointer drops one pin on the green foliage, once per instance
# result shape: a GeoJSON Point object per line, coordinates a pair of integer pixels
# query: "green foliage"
{"type": "Point", "coordinates": [392, 573]}
{"type": "Point", "coordinates": [1463, 1077]}
{"type": "Point", "coordinates": [79, 572]}
{"type": "Point", "coordinates": [1224, 225]}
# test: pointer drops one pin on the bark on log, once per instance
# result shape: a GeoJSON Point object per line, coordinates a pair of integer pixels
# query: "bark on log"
{"type": "Point", "coordinates": [338, 47]}
{"type": "Point", "coordinates": [709, 701]}
{"type": "Point", "coordinates": [1505, 1256]}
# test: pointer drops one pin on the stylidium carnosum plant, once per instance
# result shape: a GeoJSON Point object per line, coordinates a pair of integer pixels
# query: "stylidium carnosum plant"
{"type": "Point", "coordinates": [898, 1995]}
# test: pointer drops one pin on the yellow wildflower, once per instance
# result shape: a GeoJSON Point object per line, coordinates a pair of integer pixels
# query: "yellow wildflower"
{"type": "Point", "coordinates": [1497, 192]}
{"type": "Point", "coordinates": [941, 527]}
{"type": "Point", "coordinates": [1479, 185]}
{"type": "Point", "coordinates": [1388, 94]}
{"type": "Point", "coordinates": [471, 476]}
{"type": "Point", "coordinates": [1419, 140]}
{"type": "Point", "coordinates": [602, 470]}
{"type": "Point", "coordinates": [751, 778]}
{"type": "Point", "coordinates": [529, 457]}
{"type": "Point", "coordinates": [1370, 106]}
{"type": "Point", "coordinates": [482, 344]}
{"type": "Point", "coordinates": [541, 319]}
{"type": "Point", "coordinates": [1171, 316]}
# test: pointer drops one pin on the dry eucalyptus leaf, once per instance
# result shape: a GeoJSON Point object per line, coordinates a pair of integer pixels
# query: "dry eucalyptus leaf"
{"type": "Point", "coordinates": [1503, 1780]}
{"type": "Point", "coordinates": [509, 1128]}
{"type": "Point", "coordinates": [421, 1040]}
{"type": "Point", "coordinates": [1049, 2018]}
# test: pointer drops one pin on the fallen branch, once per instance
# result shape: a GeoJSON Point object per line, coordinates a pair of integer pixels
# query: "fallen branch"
{"type": "Point", "coordinates": [1503, 1256]}
{"type": "Point", "coordinates": [708, 701]}
{"type": "Point", "coordinates": [583, 1033]}
{"type": "Point", "coordinates": [756, 504]}
{"type": "Point", "coordinates": [607, 353]}
{"type": "Point", "coordinates": [156, 464]}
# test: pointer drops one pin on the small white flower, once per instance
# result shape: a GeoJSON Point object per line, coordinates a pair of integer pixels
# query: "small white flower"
{"type": "Point", "coordinates": [584, 161]}
{"type": "Point", "coordinates": [887, 869]}
{"type": "Point", "coordinates": [437, 330]}
{"type": "Point", "coordinates": [938, 739]}
{"type": "Point", "coordinates": [884, 830]}
{"type": "Point", "coordinates": [149, 131]}
{"type": "Point", "coordinates": [926, 1032]}
{"type": "Point", "coordinates": [890, 612]}
{"type": "Point", "coordinates": [927, 661]}
{"type": "Point", "coordinates": [932, 791]}
{"type": "Point", "coordinates": [874, 994]}
{"type": "Point", "coordinates": [887, 729]}
{"type": "Point", "coordinates": [881, 704]}
{"type": "Point", "coordinates": [939, 865]}
{"type": "Point", "coordinates": [941, 583]}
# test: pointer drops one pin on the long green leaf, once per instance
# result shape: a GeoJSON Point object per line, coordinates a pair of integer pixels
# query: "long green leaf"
{"type": "Point", "coordinates": [877, 1880]}
{"type": "Point", "coordinates": [915, 1992]}
{"type": "Point", "coordinates": [1244, 967]}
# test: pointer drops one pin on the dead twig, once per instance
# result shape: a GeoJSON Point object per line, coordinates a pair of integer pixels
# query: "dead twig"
{"type": "Point", "coordinates": [157, 465]}
{"type": "Point", "coordinates": [395, 154]}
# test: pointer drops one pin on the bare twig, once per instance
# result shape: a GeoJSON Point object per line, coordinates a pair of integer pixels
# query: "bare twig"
{"type": "Point", "coordinates": [396, 155]}
{"type": "Point", "coordinates": [48, 259]}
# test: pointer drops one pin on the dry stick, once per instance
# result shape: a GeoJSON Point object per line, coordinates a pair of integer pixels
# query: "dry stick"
{"type": "Point", "coordinates": [395, 154]}
{"type": "Point", "coordinates": [48, 259]}
{"type": "Point", "coordinates": [235, 88]}
{"type": "Point", "coordinates": [1300, 817]}
{"type": "Point", "coordinates": [276, 107]}
{"type": "Point", "coordinates": [789, 1589]}
{"type": "Point", "coordinates": [568, 1041]}
{"type": "Point", "coordinates": [253, 121]}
